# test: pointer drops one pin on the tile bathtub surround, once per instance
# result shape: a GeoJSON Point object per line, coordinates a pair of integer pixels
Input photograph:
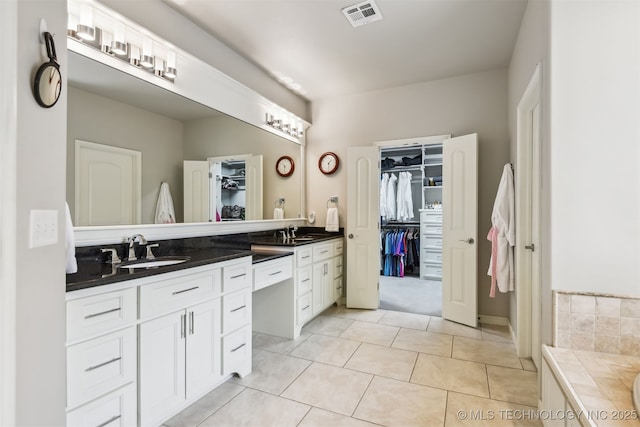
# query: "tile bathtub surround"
{"type": "Point", "coordinates": [600, 323]}
{"type": "Point", "coordinates": [372, 368]}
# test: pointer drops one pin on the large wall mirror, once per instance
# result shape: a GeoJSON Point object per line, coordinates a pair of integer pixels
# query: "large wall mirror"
{"type": "Point", "coordinates": [109, 107]}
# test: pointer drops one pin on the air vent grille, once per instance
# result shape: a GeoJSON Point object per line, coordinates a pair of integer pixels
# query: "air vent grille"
{"type": "Point", "coordinates": [362, 13]}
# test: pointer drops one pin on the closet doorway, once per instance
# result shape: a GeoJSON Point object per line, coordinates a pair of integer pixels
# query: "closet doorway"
{"type": "Point", "coordinates": [411, 207]}
{"type": "Point", "coordinates": [445, 217]}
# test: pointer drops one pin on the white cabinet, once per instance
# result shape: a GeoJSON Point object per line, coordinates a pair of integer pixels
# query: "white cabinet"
{"type": "Point", "coordinates": [317, 279]}
{"type": "Point", "coordinates": [183, 343]}
{"type": "Point", "coordinates": [431, 244]}
{"type": "Point", "coordinates": [101, 357]}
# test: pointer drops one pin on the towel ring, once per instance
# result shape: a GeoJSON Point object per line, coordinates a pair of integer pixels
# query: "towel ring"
{"type": "Point", "coordinates": [279, 203]}
{"type": "Point", "coordinates": [333, 200]}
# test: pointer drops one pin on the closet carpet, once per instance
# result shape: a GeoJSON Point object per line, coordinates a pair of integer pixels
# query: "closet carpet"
{"type": "Point", "coordinates": [411, 295]}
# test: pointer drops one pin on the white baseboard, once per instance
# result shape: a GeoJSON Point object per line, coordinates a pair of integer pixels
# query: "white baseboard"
{"type": "Point", "coordinates": [494, 320]}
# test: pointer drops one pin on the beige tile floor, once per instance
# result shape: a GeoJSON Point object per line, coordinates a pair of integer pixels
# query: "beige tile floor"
{"type": "Point", "coordinates": [358, 368]}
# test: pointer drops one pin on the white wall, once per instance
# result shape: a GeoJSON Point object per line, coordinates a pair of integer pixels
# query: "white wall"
{"type": "Point", "coordinates": [101, 120]}
{"type": "Point", "coordinates": [474, 103]}
{"type": "Point", "coordinates": [532, 48]}
{"type": "Point", "coordinates": [40, 172]}
{"type": "Point", "coordinates": [595, 146]}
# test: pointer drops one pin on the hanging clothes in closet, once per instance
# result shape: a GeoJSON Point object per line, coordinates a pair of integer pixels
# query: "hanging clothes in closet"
{"type": "Point", "coordinates": [396, 199]}
{"type": "Point", "coordinates": [400, 249]}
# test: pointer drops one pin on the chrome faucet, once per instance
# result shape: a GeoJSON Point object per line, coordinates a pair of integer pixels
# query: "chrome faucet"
{"type": "Point", "coordinates": [292, 231]}
{"type": "Point", "coordinates": [132, 240]}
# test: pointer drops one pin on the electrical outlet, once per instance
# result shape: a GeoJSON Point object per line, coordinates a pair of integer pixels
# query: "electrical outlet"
{"type": "Point", "coordinates": [43, 225]}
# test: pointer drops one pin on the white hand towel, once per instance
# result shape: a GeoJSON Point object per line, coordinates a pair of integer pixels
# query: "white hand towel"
{"type": "Point", "coordinates": [164, 209]}
{"type": "Point", "coordinates": [278, 213]}
{"type": "Point", "coordinates": [332, 220]}
{"type": "Point", "coordinates": [70, 243]}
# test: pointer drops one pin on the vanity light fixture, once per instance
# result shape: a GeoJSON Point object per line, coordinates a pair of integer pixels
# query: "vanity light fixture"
{"type": "Point", "coordinates": [85, 29]}
{"type": "Point", "coordinates": [99, 27]}
{"type": "Point", "coordinates": [286, 123]}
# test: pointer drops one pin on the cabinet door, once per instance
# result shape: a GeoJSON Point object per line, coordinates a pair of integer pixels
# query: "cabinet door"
{"type": "Point", "coordinates": [203, 347]}
{"type": "Point", "coordinates": [327, 285]}
{"type": "Point", "coordinates": [317, 283]}
{"type": "Point", "coordinates": [162, 367]}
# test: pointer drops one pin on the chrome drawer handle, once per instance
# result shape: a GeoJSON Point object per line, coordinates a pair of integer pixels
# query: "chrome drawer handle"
{"type": "Point", "coordinates": [324, 252]}
{"type": "Point", "coordinates": [276, 273]}
{"type": "Point", "coordinates": [239, 308]}
{"type": "Point", "coordinates": [109, 421]}
{"type": "Point", "coordinates": [306, 308]}
{"type": "Point", "coordinates": [238, 347]}
{"type": "Point", "coordinates": [239, 275]}
{"type": "Point", "coordinates": [91, 368]}
{"type": "Point", "coordinates": [186, 290]}
{"type": "Point", "coordinates": [305, 280]}
{"type": "Point", "coordinates": [102, 313]}
{"type": "Point", "coordinates": [305, 257]}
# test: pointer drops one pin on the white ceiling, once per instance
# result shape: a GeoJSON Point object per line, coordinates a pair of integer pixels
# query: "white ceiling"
{"type": "Point", "coordinates": [311, 44]}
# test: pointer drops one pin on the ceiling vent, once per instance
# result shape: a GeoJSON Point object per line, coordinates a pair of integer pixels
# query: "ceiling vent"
{"type": "Point", "coordinates": [362, 13]}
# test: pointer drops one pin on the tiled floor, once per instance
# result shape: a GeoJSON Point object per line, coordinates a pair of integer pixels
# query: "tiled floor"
{"type": "Point", "coordinates": [358, 368]}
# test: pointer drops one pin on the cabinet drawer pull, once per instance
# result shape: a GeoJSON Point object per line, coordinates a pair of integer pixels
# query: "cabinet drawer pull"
{"type": "Point", "coordinates": [239, 308]}
{"type": "Point", "coordinates": [192, 327]}
{"type": "Point", "coordinates": [324, 252]}
{"type": "Point", "coordinates": [239, 275]}
{"type": "Point", "coordinates": [275, 273]}
{"type": "Point", "coordinates": [186, 290]}
{"type": "Point", "coordinates": [115, 417]}
{"type": "Point", "coordinates": [102, 313]}
{"type": "Point", "coordinates": [100, 365]}
{"type": "Point", "coordinates": [305, 280]}
{"type": "Point", "coordinates": [306, 256]}
{"type": "Point", "coordinates": [238, 347]}
{"type": "Point", "coordinates": [306, 308]}
{"type": "Point", "coordinates": [183, 326]}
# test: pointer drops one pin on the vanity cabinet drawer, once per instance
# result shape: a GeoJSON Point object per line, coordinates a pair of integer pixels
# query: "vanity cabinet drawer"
{"type": "Point", "coordinates": [101, 365]}
{"type": "Point", "coordinates": [115, 409]}
{"type": "Point", "coordinates": [236, 352]}
{"type": "Point", "coordinates": [303, 256]}
{"type": "Point", "coordinates": [97, 314]}
{"type": "Point", "coordinates": [236, 276]}
{"type": "Point", "coordinates": [304, 280]}
{"type": "Point", "coordinates": [338, 247]}
{"type": "Point", "coordinates": [337, 267]}
{"type": "Point", "coordinates": [173, 294]}
{"type": "Point", "coordinates": [304, 309]}
{"type": "Point", "coordinates": [322, 251]}
{"type": "Point", "coordinates": [236, 311]}
{"type": "Point", "coordinates": [271, 272]}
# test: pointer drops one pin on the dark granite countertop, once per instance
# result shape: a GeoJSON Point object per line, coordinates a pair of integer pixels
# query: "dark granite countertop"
{"type": "Point", "coordinates": [95, 270]}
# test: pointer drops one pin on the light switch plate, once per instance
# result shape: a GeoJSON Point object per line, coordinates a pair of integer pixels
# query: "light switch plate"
{"type": "Point", "coordinates": [43, 225]}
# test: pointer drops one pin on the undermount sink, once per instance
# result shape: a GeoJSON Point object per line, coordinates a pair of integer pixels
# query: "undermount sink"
{"type": "Point", "coordinates": [636, 393]}
{"type": "Point", "coordinates": [156, 262]}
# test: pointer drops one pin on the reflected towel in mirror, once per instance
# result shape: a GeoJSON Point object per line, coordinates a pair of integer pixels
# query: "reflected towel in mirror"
{"type": "Point", "coordinates": [164, 209]}
{"type": "Point", "coordinates": [278, 213]}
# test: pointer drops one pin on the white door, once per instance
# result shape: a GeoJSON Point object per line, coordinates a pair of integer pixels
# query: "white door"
{"type": "Point", "coordinates": [528, 247]}
{"type": "Point", "coordinates": [108, 185]}
{"type": "Point", "coordinates": [204, 367]}
{"type": "Point", "coordinates": [363, 235]}
{"type": "Point", "coordinates": [196, 191]}
{"type": "Point", "coordinates": [253, 183]}
{"type": "Point", "coordinates": [162, 367]}
{"type": "Point", "coordinates": [460, 230]}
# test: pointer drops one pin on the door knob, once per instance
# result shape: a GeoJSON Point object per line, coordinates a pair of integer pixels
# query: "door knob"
{"type": "Point", "coordinates": [350, 236]}
{"type": "Point", "coordinates": [531, 247]}
{"type": "Point", "coordinates": [469, 240]}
